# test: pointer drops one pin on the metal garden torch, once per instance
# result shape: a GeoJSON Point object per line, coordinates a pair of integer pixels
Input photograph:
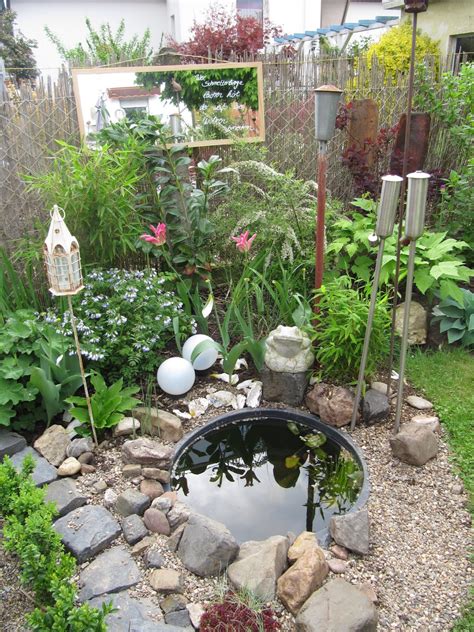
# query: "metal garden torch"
{"type": "Point", "coordinates": [326, 102]}
{"type": "Point", "coordinates": [63, 267]}
{"type": "Point", "coordinates": [414, 225]}
{"type": "Point", "coordinates": [384, 228]}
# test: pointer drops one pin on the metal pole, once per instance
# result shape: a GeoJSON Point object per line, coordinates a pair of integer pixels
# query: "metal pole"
{"type": "Point", "coordinates": [320, 220]}
{"type": "Point", "coordinates": [368, 332]}
{"type": "Point", "coordinates": [402, 196]}
{"type": "Point", "coordinates": [81, 368]}
{"type": "Point", "coordinates": [404, 344]}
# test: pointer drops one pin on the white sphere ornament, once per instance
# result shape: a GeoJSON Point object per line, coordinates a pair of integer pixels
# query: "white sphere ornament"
{"type": "Point", "coordinates": [206, 358]}
{"type": "Point", "coordinates": [176, 376]}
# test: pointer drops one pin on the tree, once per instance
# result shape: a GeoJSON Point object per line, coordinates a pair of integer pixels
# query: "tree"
{"type": "Point", "coordinates": [16, 50]}
{"type": "Point", "coordinates": [225, 34]}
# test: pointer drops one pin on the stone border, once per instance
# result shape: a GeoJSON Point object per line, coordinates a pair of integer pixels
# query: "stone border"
{"type": "Point", "coordinates": [285, 414]}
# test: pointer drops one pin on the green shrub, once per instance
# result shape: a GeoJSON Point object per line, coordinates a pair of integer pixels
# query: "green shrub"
{"type": "Point", "coordinates": [45, 568]}
{"type": "Point", "coordinates": [340, 331]}
{"type": "Point", "coordinates": [125, 319]}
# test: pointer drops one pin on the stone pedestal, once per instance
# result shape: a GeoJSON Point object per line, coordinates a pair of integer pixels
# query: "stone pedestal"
{"type": "Point", "coordinates": [288, 388]}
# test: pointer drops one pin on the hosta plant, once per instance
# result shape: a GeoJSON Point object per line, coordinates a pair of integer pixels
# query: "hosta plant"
{"type": "Point", "coordinates": [456, 319]}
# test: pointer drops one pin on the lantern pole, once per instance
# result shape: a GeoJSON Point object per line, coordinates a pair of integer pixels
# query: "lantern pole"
{"type": "Point", "coordinates": [326, 102]}
{"type": "Point", "coordinates": [415, 218]}
{"type": "Point", "coordinates": [415, 7]}
{"type": "Point", "coordinates": [81, 368]}
{"type": "Point", "coordinates": [384, 228]}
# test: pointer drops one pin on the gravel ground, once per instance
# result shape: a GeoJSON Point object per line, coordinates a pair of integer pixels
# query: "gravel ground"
{"type": "Point", "coordinates": [420, 535]}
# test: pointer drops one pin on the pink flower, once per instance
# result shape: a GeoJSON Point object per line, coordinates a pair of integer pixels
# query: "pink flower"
{"type": "Point", "coordinates": [243, 242]}
{"type": "Point", "coordinates": [159, 235]}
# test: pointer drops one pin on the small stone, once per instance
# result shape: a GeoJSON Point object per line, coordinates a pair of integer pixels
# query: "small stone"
{"type": "Point", "coordinates": [166, 580]}
{"type": "Point", "coordinates": [69, 467]}
{"type": "Point", "coordinates": [131, 470]}
{"type": "Point", "coordinates": [153, 558]}
{"type": "Point", "coordinates": [53, 444]}
{"type": "Point", "coordinates": [414, 444]}
{"type": "Point", "coordinates": [131, 502]}
{"type": "Point", "coordinates": [178, 514]}
{"type": "Point", "coordinates": [333, 404]}
{"type": "Point", "coordinates": [110, 498]}
{"type": "Point", "coordinates": [173, 603]}
{"type": "Point", "coordinates": [429, 421]}
{"type": "Point", "coordinates": [381, 387]}
{"type": "Point", "coordinates": [305, 541]}
{"type": "Point", "coordinates": [419, 402]}
{"type": "Point", "coordinates": [180, 619]}
{"type": "Point", "coordinates": [195, 611]}
{"type": "Point", "coordinates": [163, 504]}
{"type": "Point", "coordinates": [147, 452]}
{"type": "Point", "coordinates": [151, 488]}
{"type": "Point", "coordinates": [160, 423]}
{"type": "Point", "coordinates": [143, 545]}
{"type": "Point", "coordinates": [340, 552]}
{"type": "Point", "coordinates": [337, 566]}
{"type": "Point", "coordinates": [100, 487]}
{"type": "Point", "coordinates": [86, 468]}
{"type": "Point", "coordinates": [156, 521]}
{"type": "Point", "coordinates": [457, 489]}
{"type": "Point", "coordinates": [351, 530]}
{"type": "Point", "coordinates": [173, 496]}
{"type": "Point", "coordinates": [86, 457]}
{"type": "Point", "coordinates": [155, 473]}
{"type": "Point", "coordinates": [375, 406]}
{"type": "Point", "coordinates": [369, 591]}
{"type": "Point", "coordinates": [126, 426]}
{"type": "Point", "coordinates": [80, 446]}
{"type": "Point", "coordinates": [133, 529]}
{"type": "Point", "coordinates": [305, 576]}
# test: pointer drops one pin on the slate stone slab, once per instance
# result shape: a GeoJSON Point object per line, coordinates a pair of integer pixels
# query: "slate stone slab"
{"type": "Point", "coordinates": [133, 529]}
{"type": "Point", "coordinates": [43, 473]}
{"type": "Point", "coordinates": [288, 388]}
{"type": "Point", "coordinates": [179, 618]}
{"type": "Point", "coordinates": [110, 572]}
{"type": "Point", "coordinates": [64, 495]}
{"type": "Point", "coordinates": [10, 443]}
{"type": "Point", "coordinates": [87, 531]}
{"type": "Point", "coordinates": [131, 502]}
{"type": "Point", "coordinates": [131, 614]}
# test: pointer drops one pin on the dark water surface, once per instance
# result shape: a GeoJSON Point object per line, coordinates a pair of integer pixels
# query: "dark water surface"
{"type": "Point", "coordinates": [265, 477]}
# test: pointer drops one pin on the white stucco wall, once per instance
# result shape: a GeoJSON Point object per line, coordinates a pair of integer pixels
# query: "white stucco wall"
{"type": "Point", "coordinates": [66, 18]}
{"type": "Point", "coordinates": [301, 16]}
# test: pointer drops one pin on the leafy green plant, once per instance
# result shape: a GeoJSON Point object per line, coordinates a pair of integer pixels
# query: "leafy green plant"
{"type": "Point", "coordinates": [125, 319]}
{"type": "Point", "coordinates": [99, 192]}
{"type": "Point", "coordinates": [108, 403]}
{"type": "Point", "coordinates": [456, 319]}
{"type": "Point", "coordinates": [15, 49]}
{"type": "Point", "coordinates": [340, 330]}
{"type": "Point", "coordinates": [439, 266]}
{"type": "Point", "coordinates": [45, 567]}
{"type": "Point", "coordinates": [103, 46]}
{"type": "Point", "coordinates": [36, 371]}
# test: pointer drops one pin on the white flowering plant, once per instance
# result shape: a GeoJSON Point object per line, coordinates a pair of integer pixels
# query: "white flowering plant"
{"type": "Point", "coordinates": [125, 319]}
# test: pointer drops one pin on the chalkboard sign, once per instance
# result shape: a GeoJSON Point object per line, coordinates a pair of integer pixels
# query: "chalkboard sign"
{"type": "Point", "coordinates": [203, 104]}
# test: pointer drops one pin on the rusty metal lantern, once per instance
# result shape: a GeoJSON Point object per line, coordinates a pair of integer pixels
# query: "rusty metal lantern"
{"type": "Point", "coordinates": [416, 6]}
{"type": "Point", "coordinates": [62, 257]}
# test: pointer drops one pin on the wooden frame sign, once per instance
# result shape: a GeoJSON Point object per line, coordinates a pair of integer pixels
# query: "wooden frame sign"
{"type": "Point", "coordinates": [202, 104]}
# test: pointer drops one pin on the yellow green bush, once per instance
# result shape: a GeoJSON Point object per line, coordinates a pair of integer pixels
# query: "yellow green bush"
{"type": "Point", "coordinates": [393, 49]}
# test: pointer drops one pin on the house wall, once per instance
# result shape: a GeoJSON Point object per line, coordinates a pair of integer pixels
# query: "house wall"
{"type": "Point", "coordinates": [303, 15]}
{"type": "Point", "coordinates": [66, 18]}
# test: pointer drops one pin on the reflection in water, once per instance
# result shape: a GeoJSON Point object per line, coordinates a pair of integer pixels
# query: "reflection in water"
{"type": "Point", "coordinates": [266, 478]}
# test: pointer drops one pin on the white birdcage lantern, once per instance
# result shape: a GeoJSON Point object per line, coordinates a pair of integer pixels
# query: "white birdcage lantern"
{"type": "Point", "coordinates": [62, 257]}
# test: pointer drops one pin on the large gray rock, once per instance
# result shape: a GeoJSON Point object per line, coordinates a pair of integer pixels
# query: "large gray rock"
{"type": "Point", "coordinates": [333, 404]}
{"type": "Point", "coordinates": [110, 572]}
{"type": "Point", "coordinates": [133, 529]}
{"type": "Point", "coordinates": [351, 530]}
{"type": "Point", "coordinates": [415, 444]}
{"type": "Point", "coordinates": [206, 547]}
{"type": "Point", "coordinates": [147, 452]}
{"type": "Point", "coordinates": [43, 473]}
{"type": "Point", "coordinates": [53, 444]}
{"type": "Point", "coordinates": [64, 495]}
{"type": "Point", "coordinates": [288, 388]}
{"type": "Point", "coordinates": [337, 607]}
{"type": "Point", "coordinates": [10, 443]}
{"type": "Point", "coordinates": [259, 565]}
{"type": "Point", "coordinates": [375, 406]}
{"type": "Point", "coordinates": [131, 502]}
{"type": "Point", "coordinates": [87, 531]}
{"type": "Point", "coordinates": [130, 613]}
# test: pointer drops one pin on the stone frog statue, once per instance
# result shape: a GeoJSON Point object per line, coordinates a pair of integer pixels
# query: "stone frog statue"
{"type": "Point", "coordinates": [288, 350]}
